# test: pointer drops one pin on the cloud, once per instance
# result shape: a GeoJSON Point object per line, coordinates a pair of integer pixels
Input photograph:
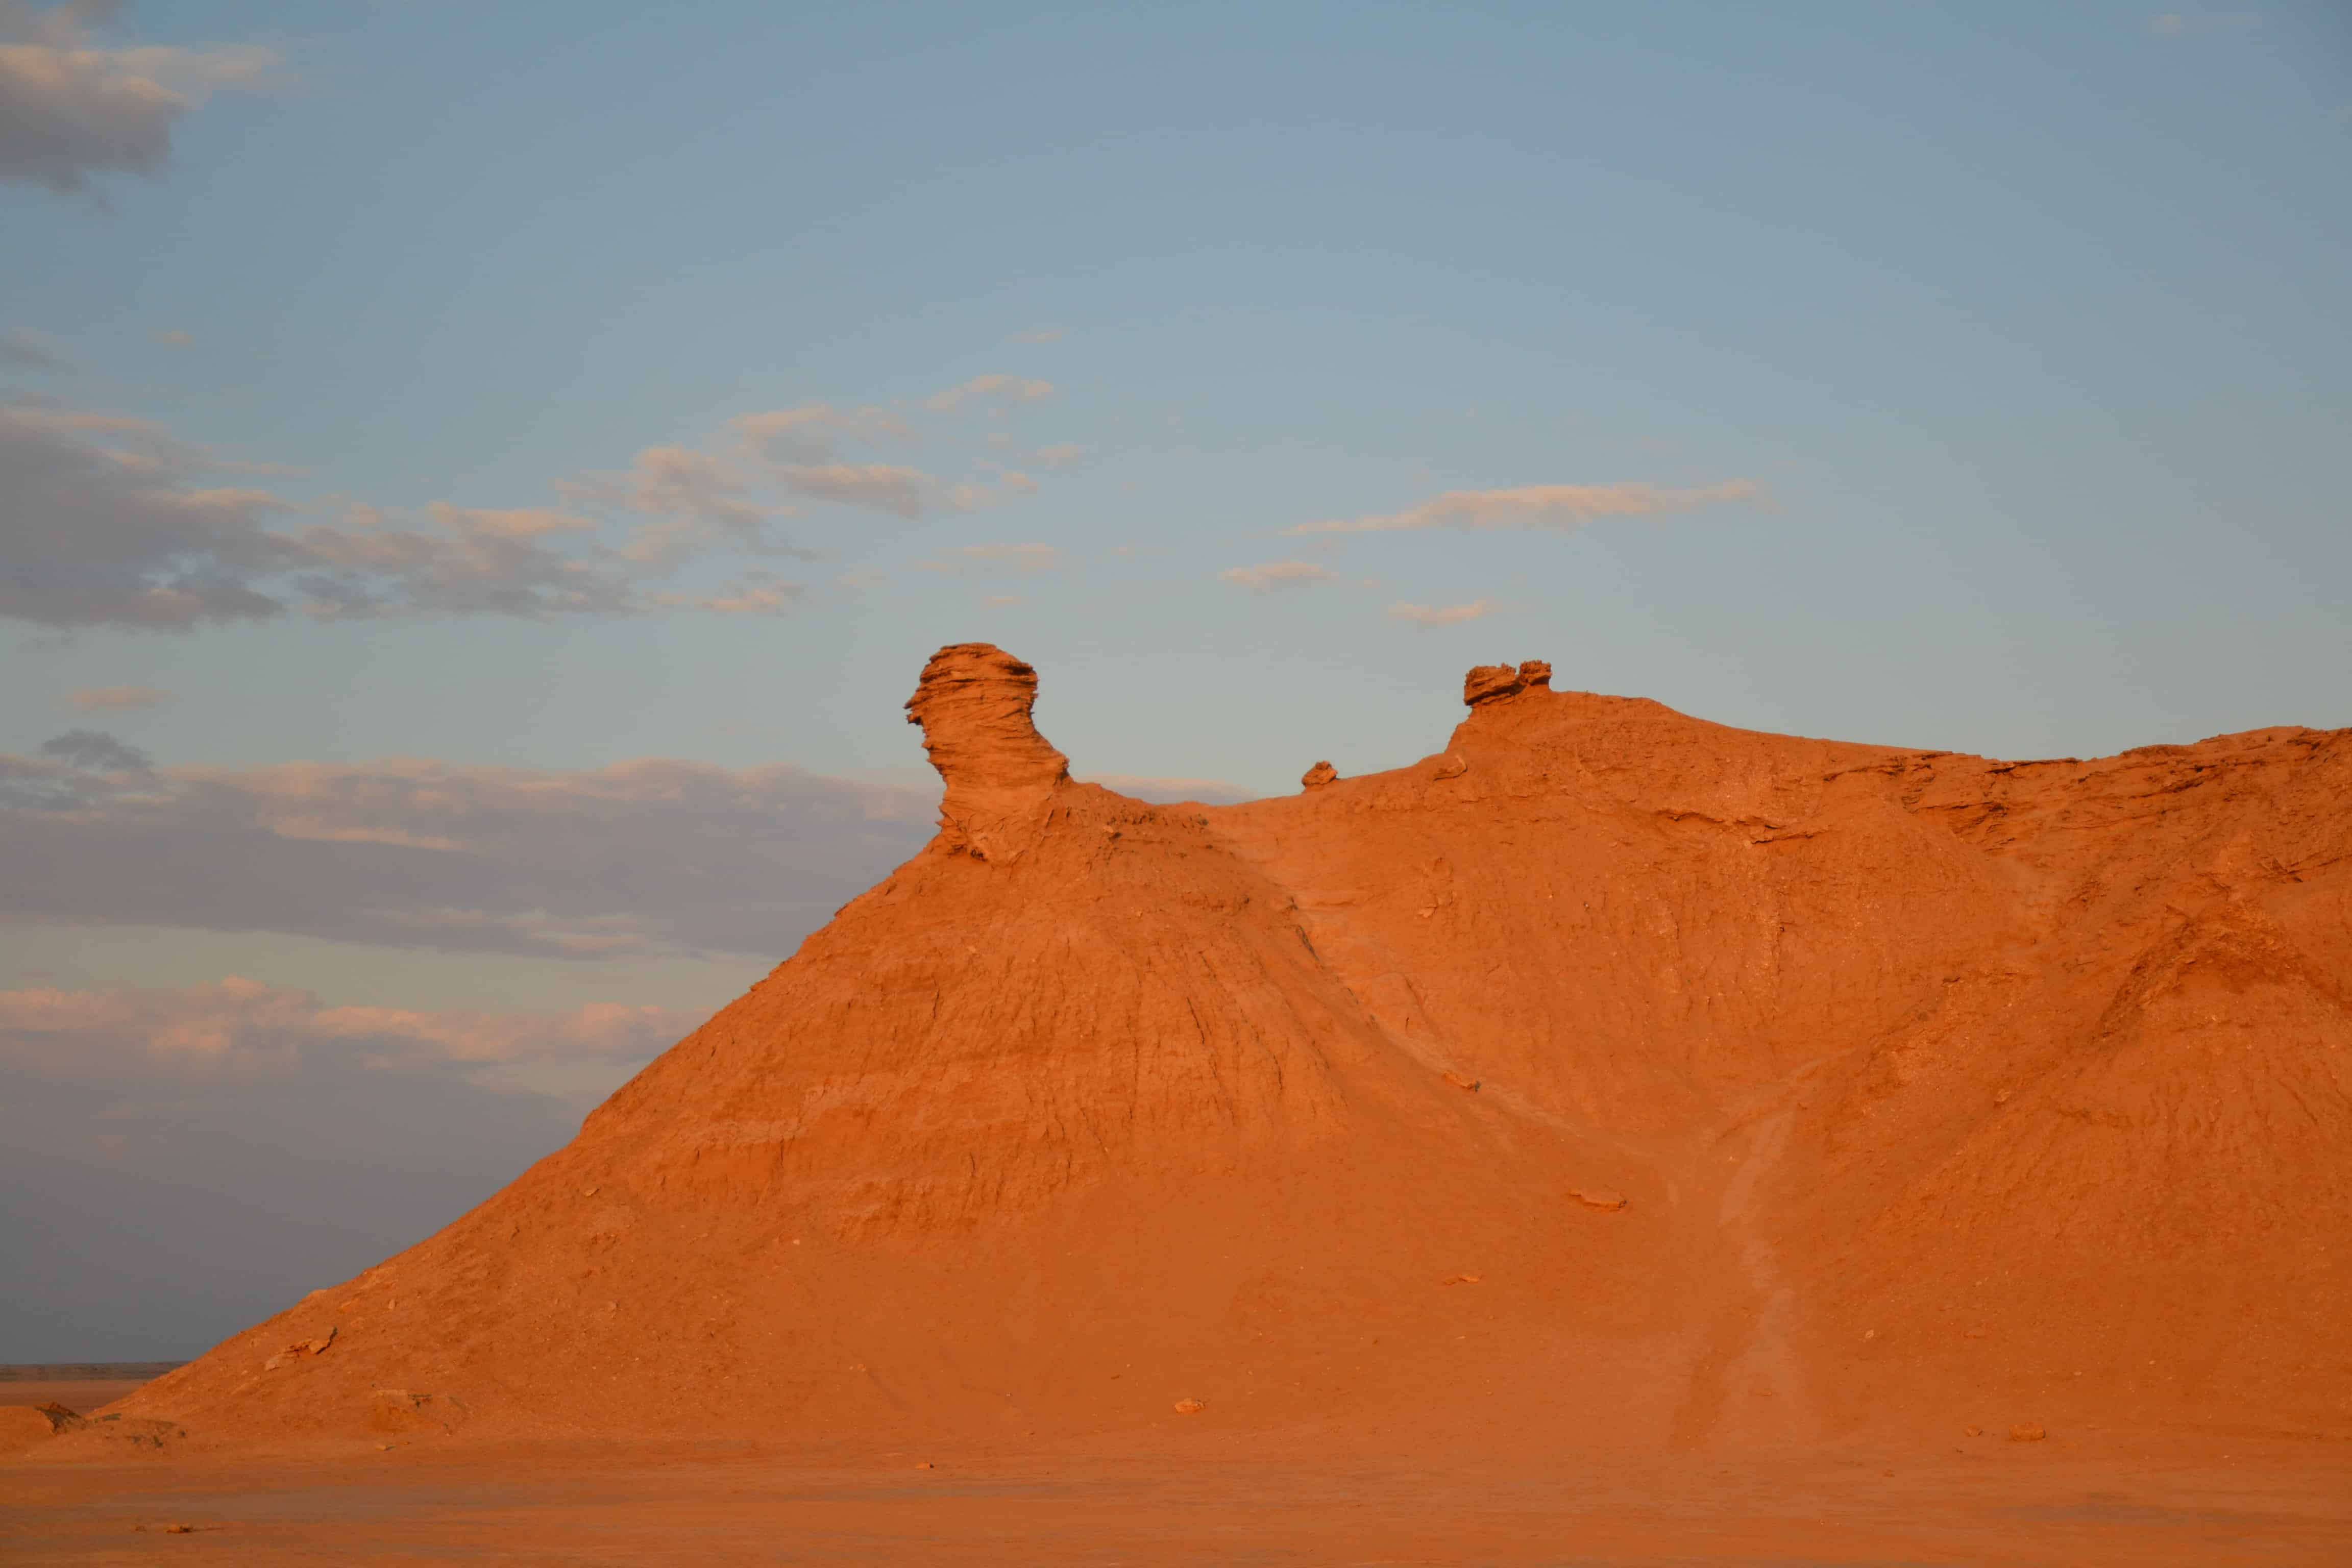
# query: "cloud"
{"type": "Point", "coordinates": [1169, 791]}
{"type": "Point", "coordinates": [1042, 335]}
{"type": "Point", "coordinates": [996, 393]}
{"type": "Point", "coordinates": [96, 752]}
{"type": "Point", "coordinates": [651, 857]}
{"type": "Point", "coordinates": [999, 560]}
{"type": "Point", "coordinates": [759, 593]}
{"type": "Point", "coordinates": [792, 452]}
{"type": "Point", "coordinates": [1063, 457]}
{"type": "Point", "coordinates": [1431, 616]}
{"type": "Point", "coordinates": [114, 522]}
{"type": "Point", "coordinates": [174, 339]}
{"type": "Point", "coordinates": [814, 432]}
{"type": "Point", "coordinates": [870, 487]}
{"type": "Point", "coordinates": [1539, 506]}
{"type": "Point", "coordinates": [249, 1142]}
{"type": "Point", "coordinates": [1278, 577]}
{"type": "Point", "coordinates": [2182, 24]}
{"type": "Point", "coordinates": [679, 481]}
{"type": "Point", "coordinates": [25, 352]}
{"type": "Point", "coordinates": [94, 699]}
{"type": "Point", "coordinates": [241, 1026]}
{"type": "Point", "coordinates": [70, 109]}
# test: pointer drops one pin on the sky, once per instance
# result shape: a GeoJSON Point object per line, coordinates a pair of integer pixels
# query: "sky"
{"type": "Point", "coordinates": [476, 484]}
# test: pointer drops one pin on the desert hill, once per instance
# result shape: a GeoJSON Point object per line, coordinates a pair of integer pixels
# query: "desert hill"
{"type": "Point", "coordinates": [1609, 1074]}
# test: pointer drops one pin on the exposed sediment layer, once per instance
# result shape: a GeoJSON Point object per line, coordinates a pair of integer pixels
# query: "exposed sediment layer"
{"type": "Point", "coordinates": [1609, 1074]}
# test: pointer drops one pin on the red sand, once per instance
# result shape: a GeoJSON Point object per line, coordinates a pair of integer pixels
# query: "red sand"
{"type": "Point", "coordinates": [1610, 1082]}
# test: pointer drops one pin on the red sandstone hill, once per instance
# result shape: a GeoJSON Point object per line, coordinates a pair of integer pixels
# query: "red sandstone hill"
{"type": "Point", "coordinates": [1610, 1073]}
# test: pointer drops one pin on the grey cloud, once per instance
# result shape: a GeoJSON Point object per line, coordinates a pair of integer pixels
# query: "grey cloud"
{"type": "Point", "coordinates": [114, 522]}
{"type": "Point", "coordinates": [25, 352]}
{"type": "Point", "coordinates": [70, 108]}
{"type": "Point", "coordinates": [176, 1164]}
{"type": "Point", "coordinates": [97, 751]}
{"type": "Point", "coordinates": [639, 858]}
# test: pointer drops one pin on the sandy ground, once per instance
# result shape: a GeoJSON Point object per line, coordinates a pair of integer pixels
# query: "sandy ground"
{"type": "Point", "coordinates": [2073, 1500]}
{"type": "Point", "coordinates": [84, 1396]}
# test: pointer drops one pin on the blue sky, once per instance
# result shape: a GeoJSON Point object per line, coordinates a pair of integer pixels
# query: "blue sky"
{"type": "Point", "coordinates": [1965, 376]}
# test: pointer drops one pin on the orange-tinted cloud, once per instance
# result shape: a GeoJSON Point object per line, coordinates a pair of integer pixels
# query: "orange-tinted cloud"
{"type": "Point", "coordinates": [814, 432]}
{"type": "Point", "coordinates": [1540, 506]}
{"type": "Point", "coordinates": [94, 699]}
{"type": "Point", "coordinates": [240, 1024]}
{"type": "Point", "coordinates": [72, 108]}
{"type": "Point", "coordinates": [1431, 616]}
{"type": "Point", "coordinates": [997, 392]}
{"type": "Point", "coordinates": [1278, 576]}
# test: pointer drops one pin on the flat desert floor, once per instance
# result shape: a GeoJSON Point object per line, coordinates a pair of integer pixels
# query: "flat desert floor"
{"type": "Point", "coordinates": [1193, 1495]}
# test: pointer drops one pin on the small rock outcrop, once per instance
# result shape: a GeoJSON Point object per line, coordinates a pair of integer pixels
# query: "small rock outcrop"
{"type": "Point", "coordinates": [973, 703]}
{"type": "Point", "coordinates": [1489, 681]}
{"type": "Point", "coordinates": [1319, 776]}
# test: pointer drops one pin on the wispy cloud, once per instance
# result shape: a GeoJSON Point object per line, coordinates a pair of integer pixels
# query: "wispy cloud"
{"type": "Point", "coordinates": [239, 1025]}
{"type": "Point", "coordinates": [175, 339]}
{"type": "Point", "coordinates": [998, 393]}
{"type": "Point", "coordinates": [98, 698]}
{"type": "Point", "coordinates": [889, 487]}
{"type": "Point", "coordinates": [768, 463]}
{"type": "Point", "coordinates": [1430, 617]}
{"type": "Point", "coordinates": [1539, 506]}
{"type": "Point", "coordinates": [1065, 455]}
{"type": "Point", "coordinates": [758, 593]}
{"type": "Point", "coordinates": [1278, 577]}
{"type": "Point", "coordinates": [114, 522]}
{"type": "Point", "coordinates": [815, 432]}
{"type": "Point", "coordinates": [1042, 335]}
{"type": "Point", "coordinates": [999, 560]}
{"type": "Point", "coordinates": [71, 106]}
{"type": "Point", "coordinates": [27, 352]}
{"type": "Point", "coordinates": [2186, 25]}
{"type": "Point", "coordinates": [647, 857]}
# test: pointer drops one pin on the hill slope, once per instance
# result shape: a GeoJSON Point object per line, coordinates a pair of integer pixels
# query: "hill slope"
{"type": "Point", "coordinates": [1610, 1072]}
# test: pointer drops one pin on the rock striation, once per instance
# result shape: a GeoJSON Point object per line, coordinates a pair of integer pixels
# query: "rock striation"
{"type": "Point", "coordinates": [1750, 1089]}
{"type": "Point", "coordinates": [973, 703]}
{"type": "Point", "coordinates": [1491, 683]}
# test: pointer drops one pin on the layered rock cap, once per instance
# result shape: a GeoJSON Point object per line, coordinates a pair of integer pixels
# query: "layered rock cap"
{"type": "Point", "coordinates": [973, 703]}
{"type": "Point", "coordinates": [1487, 682]}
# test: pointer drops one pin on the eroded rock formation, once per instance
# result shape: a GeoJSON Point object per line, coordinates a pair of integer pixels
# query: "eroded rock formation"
{"type": "Point", "coordinates": [973, 703]}
{"type": "Point", "coordinates": [1815, 1085]}
{"type": "Point", "coordinates": [1488, 682]}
